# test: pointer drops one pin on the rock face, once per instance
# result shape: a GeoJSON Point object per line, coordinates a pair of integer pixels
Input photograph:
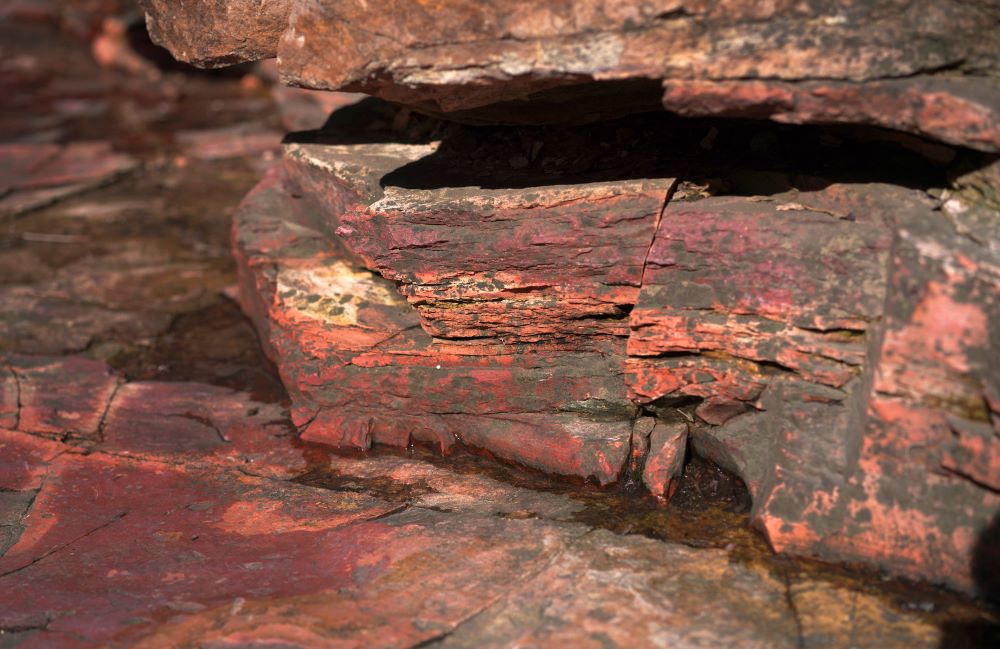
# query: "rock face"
{"type": "Point", "coordinates": [925, 67]}
{"type": "Point", "coordinates": [218, 32]}
{"type": "Point", "coordinates": [578, 303]}
{"type": "Point", "coordinates": [805, 339]}
{"type": "Point", "coordinates": [353, 353]}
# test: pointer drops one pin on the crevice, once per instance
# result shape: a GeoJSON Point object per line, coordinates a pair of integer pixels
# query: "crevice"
{"type": "Point", "coordinates": [656, 227]}
{"type": "Point", "coordinates": [107, 409]}
{"type": "Point", "coordinates": [390, 338]}
{"type": "Point", "coordinates": [395, 510]}
{"type": "Point", "coordinates": [793, 607]}
{"type": "Point", "coordinates": [204, 421]}
{"type": "Point", "coordinates": [17, 397]}
{"type": "Point", "coordinates": [963, 475]}
{"type": "Point", "coordinates": [58, 548]}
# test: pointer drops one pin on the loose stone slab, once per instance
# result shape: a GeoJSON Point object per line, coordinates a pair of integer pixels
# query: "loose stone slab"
{"type": "Point", "coordinates": [360, 369]}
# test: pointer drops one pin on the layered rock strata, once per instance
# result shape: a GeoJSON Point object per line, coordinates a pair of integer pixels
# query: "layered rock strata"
{"type": "Point", "coordinates": [373, 363]}
{"type": "Point", "coordinates": [827, 335]}
{"type": "Point", "coordinates": [807, 340]}
{"type": "Point", "coordinates": [925, 67]}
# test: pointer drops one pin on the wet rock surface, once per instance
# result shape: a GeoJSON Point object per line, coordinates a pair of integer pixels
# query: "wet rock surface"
{"type": "Point", "coordinates": [155, 489]}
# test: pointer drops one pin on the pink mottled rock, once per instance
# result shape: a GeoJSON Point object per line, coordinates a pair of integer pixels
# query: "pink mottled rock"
{"type": "Point", "coordinates": [841, 392]}
{"type": "Point", "coordinates": [64, 397]}
{"type": "Point", "coordinates": [198, 422]}
{"type": "Point", "coordinates": [336, 329]}
{"type": "Point", "coordinates": [902, 500]}
{"type": "Point", "coordinates": [740, 290]}
{"type": "Point", "coordinates": [549, 262]}
{"type": "Point", "coordinates": [665, 461]}
{"type": "Point", "coordinates": [23, 460]}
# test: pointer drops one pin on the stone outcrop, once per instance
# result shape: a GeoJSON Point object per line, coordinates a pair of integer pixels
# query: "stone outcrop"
{"type": "Point", "coordinates": [808, 311]}
{"type": "Point", "coordinates": [572, 327]}
{"type": "Point", "coordinates": [155, 492]}
{"type": "Point", "coordinates": [926, 67]}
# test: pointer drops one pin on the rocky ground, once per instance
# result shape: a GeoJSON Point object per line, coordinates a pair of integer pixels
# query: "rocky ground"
{"type": "Point", "coordinates": [154, 491]}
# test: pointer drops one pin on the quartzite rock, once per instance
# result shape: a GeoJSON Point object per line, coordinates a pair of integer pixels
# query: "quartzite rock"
{"type": "Point", "coordinates": [915, 480]}
{"type": "Point", "coordinates": [856, 405]}
{"type": "Point", "coordinates": [404, 303]}
{"type": "Point", "coordinates": [360, 369]}
{"type": "Point", "coordinates": [517, 265]}
{"type": "Point", "coordinates": [737, 290]}
{"type": "Point", "coordinates": [924, 67]}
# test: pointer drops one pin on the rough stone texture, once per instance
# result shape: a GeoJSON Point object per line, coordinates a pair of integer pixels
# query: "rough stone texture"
{"type": "Point", "coordinates": [739, 288]}
{"type": "Point", "coordinates": [237, 532]}
{"type": "Point", "coordinates": [924, 67]}
{"type": "Point", "coordinates": [494, 312]}
{"type": "Point", "coordinates": [166, 551]}
{"type": "Point", "coordinates": [58, 397]}
{"type": "Point", "coordinates": [665, 460]}
{"type": "Point", "coordinates": [927, 439]}
{"type": "Point", "coordinates": [217, 32]}
{"type": "Point", "coordinates": [517, 265]}
{"type": "Point", "coordinates": [336, 329]}
{"type": "Point", "coordinates": [842, 393]}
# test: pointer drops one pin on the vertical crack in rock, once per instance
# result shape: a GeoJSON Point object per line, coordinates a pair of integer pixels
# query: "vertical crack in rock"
{"type": "Point", "coordinates": [17, 397]}
{"type": "Point", "coordinates": [793, 607]}
{"type": "Point", "coordinates": [107, 409]}
{"type": "Point", "coordinates": [656, 226]}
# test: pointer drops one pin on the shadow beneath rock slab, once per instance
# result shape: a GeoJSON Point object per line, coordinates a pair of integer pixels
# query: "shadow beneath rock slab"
{"type": "Point", "coordinates": [156, 486]}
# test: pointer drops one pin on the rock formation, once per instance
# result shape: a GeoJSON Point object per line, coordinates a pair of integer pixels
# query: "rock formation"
{"type": "Point", "coordinates": [810, 309]}
{"type": "Point", "coordinates": [924, 67]}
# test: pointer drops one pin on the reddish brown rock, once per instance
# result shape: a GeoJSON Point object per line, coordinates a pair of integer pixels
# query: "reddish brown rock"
{"type": "Point", "coordinates": [901, 500]}
{"type": "Point", "coordinates": [958, 110]}
{"type": "Point", "coordinates": [240, 141]}
{"type": "Point", "coordinates": [199, 538]}
{"type": "Point", "coordinates": [740, 290]}
{"type": "Point", "coordinates": [665, 461]}
{"type": "Point", "coordinates": [35, 175]}
{"type": "Point", "coordinates": [819, 376]}
{"type": "Point", "coordinates": [537, 263]}
{"type": "Point", "coordinates": [214, 33]}
{"type": "Point", "coordinates": [336, 330]}
{"type": "Point", "coordinates": [560, 61]}
{"type": "Point", "coordinates": [56, 397]}
{"type": "Point", "coordinates": [176, 556]}
{"type": "Point", "coordinates": [24, 460]}
{"type": "Point", "coordinates": [201, 423]}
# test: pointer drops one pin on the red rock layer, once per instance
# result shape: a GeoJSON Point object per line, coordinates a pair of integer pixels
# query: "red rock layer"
{"type": "Point", "coordinates": [925, 67]}
{"type": "Point", "coordinates": [373, 290]}
{"type": "Point", "coordinates": [515, 265]}
{"type": "Point", "coordinates": [841, 394]}
{"type": "Point", "coordinates": [360, 368]}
